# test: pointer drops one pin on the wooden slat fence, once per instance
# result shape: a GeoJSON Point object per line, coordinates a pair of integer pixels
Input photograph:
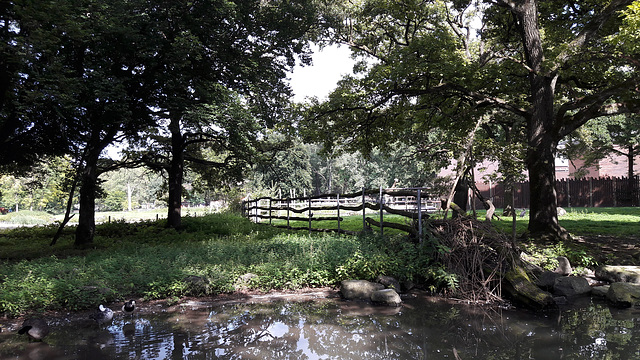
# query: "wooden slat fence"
{"type": "Point", "coordinates": [413, 203]}
{"type": "Point", "coordinates": [588, 192]}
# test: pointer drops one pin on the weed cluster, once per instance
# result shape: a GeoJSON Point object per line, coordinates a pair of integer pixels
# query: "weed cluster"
{"type": "Point", "coordinates": [149, 261]}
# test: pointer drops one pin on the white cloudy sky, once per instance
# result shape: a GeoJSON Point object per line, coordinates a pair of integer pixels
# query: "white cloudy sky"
{"type": "Point", "coordinates": [329, 64]}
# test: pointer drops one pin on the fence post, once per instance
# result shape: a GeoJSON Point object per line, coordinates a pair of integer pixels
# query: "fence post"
{"type": "Point", "coordinates": [338, 200]}
{"type": "Point", "coordinates": [419, 215]}
{"type": "Point", "coordinates": [568, 193]}
{"type": "Point", "coordinates": [270, 211]}
{"type": "Point", "coordinates": [288, 206]}
{"type": "Point", "coordinates": [310, 214]}
{"type": "Point", "coordinates": [381, 219]}
{"type": "Point", "coordinates": [364, 216]}
{"type": "Point", "coordinates": [256, 211]}
{"type": "Point", "coordinates": [590, 192]}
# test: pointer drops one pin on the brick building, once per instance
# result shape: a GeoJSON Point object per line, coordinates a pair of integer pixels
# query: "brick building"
{"type": "Point", "coordinates": [613, 165]}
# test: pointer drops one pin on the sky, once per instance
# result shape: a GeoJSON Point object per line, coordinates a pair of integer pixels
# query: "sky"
{"type": "Point", "coordinates": [319, 79]}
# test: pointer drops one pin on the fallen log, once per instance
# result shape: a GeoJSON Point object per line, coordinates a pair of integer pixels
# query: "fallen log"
{"type": "Point", "coordinates": [522, 290]}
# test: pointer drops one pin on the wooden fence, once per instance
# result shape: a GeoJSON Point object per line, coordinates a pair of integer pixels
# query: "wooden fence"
{"type": "Point", "coordinates": [589, 192]}
{"type": "Point", "coordinates": [413, 203]}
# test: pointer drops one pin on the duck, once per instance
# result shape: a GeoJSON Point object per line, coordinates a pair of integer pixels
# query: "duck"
{"type": "Point", "coordinates": [129, 306]}
{"type": "Point", "coordinates": [103, 315]}
{"type": "Point", "coordinates": [36, 329]}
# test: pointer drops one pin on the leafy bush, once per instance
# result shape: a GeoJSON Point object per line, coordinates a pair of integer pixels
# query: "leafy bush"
{"type": "Point", "coordinates": [545, 255]}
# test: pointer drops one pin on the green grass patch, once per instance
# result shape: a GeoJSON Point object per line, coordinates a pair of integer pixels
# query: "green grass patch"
{"type": "Point", "coordinates": [147, 260]}
{"type": "Point", "coordinates": [27, 218]}
{"type": "Point", "coordinates": [618, 222]}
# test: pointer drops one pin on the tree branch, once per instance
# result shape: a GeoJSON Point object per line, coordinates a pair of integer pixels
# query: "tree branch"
{"type": "Point", "coordinates": [588, 32]}
{"type": "Point", "coordinates": [592, 106]}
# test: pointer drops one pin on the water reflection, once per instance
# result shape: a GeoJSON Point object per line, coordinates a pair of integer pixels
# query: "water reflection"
{"type": "Point", "coordinates": [335, 329]}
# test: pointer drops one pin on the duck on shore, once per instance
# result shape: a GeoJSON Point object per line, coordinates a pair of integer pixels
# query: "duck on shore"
{"type": "Point", "coordinates": [36, 329]}
{"type": "Point", "coordinates": [103, 315]}
{"type": "Point", "coordinates": [129, 307]}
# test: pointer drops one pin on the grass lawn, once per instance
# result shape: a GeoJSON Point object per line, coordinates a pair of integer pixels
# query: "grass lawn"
{"type": "Point", "coordinates": [145, 260]}
{"type": "Point", "coordinates": [206, 257]}
{"type": "Point", "coordinates": [26, 217]}
{"type": "Point", "coordinates": [618, 222]}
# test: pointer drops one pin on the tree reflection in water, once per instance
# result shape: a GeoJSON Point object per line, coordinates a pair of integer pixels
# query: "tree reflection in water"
{"type": "Point", "coordinates": [423, 328]}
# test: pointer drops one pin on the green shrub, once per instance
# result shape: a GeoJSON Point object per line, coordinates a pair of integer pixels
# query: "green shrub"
{"type": "Point", "coordinates": [147, 260]}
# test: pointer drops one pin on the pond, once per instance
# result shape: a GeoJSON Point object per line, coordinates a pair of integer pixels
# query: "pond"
{"type": "Point", "coordinates": [422, 328]}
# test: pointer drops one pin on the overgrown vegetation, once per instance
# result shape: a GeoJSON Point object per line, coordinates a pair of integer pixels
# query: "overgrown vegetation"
{"type": "Point", "coordinates": [210, 253]}
{"type": "Point", "coordinates": [147, 260]}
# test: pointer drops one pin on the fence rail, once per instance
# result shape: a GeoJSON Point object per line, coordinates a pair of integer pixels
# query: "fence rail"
{"type": "Point", "coordinates": [413, 203]}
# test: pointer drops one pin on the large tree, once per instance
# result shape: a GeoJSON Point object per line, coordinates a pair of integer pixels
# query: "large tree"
{"type": "Point", "coordinates": [548, 66]}
{"type": "Point", "coordinates": [78, 88]}
{"type": "Point", "coordinates": [31, 110]}
{"type": "Point", "coordinates": [82, 75]}
{"type": "Point", "coordinates": [219, 68]}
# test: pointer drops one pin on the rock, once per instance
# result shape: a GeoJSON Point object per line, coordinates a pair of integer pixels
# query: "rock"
{"type": "Point", "coordinates": [623, 294]}
{"type": "Point", "coordinates": [561, 211]}
{"type": "Point", "coordinates": [523, 290]}
{"type": "Point", "coordinates": [564, 267]}
{"type": "Point", "coordinates": [571, 286]}
{"type": "Point", "coordinates": [359, 289]}
{"type": "Point", "coordinates": [600, 290]}
{"type": "Point", "coordinates": [407, 286]}
{"type": "Point", "coordinates": [612, 274]}
{"type": "Point", "coordinates": [389, 282]}
{"type": "Point", "coordinates": [387, 297]}
{"type": "Point", "coordinates": [546, 280]}
{"type": "Point", "coordinates": [243, 281]}
{"type": "Point", "coordinates": [560, 300]}
{"type": "Point", "coordinates": [197, 285]}
{"type": "Point", "coordinates": [590, 275]}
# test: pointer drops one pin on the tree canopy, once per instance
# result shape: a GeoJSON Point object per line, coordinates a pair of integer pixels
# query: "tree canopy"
{"type": "Point", "coordinates": [525, 72]}
{"type": "Point", "coordinates": [82, 75]}
{"type": "Point", "coordinates": [201, 86]}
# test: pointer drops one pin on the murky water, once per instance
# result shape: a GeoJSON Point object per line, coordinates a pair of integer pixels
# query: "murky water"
{"type": "Point", "coordinates": [337, 329]}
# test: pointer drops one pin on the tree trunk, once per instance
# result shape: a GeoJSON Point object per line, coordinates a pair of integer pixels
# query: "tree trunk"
{"type": "Point", "coordinates": [543, 212]}
{"type": "Point", "coordinates": [542, 142]}
{"type": "Point", "coordinates": [631, 154]}
{"type": "Point", "coordinates": [88, 188]}
{"type": "Point", "coordinates": [67, 214]}
{"type": "Point", "coordinates": [88, 178]}
{"type": "Point", "coordinates": [176, 173]}
{"type": "Point", "coordinates": [461, 198]}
